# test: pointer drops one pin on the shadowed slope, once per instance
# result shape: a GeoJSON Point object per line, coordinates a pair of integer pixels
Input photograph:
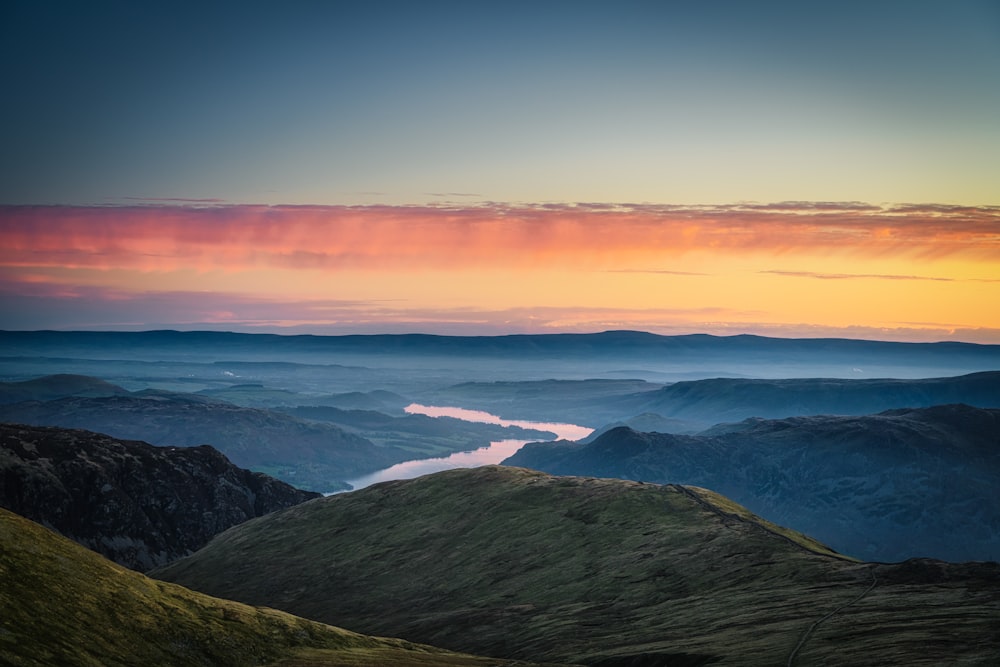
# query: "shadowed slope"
{"type": "Point", "coordinates": [134, 503]}
{"type": "Point", "coordinates": [512, 562]}
{"type": "Point", "coordinates": [64, 605]}
{"type": "Point", "coordinates": [896, 485]}
{"type": "Point", "coordinates": [316, 447]}
{"type": "Point", "coordinates": [310, 455]}
{"type": "Point", "coordinates": [52, 387]}
{"type": "Point", "coordinates": [693, 405]}
{"type": "Point", "coordinates": [731, 399]}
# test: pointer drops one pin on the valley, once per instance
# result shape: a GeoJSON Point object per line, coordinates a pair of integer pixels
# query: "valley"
{"type": "Point", "coordinates": [661, 500]}
{"type": "Point", "coordinates": [495, 452]}
{"type": "Point", "coordinates": [500, 334]}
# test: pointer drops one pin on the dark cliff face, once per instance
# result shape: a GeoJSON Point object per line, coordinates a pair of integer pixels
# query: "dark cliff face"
{"type": "Point", "coordinates": [139, 505]}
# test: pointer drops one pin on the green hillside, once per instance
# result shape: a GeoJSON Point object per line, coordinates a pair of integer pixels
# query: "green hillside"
{"type": "Point", "coordinates": [516, 563]}
{"type": "Point", "coordinates": [64, 605]}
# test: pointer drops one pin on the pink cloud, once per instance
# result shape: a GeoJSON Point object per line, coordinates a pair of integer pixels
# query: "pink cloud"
{"type": "Point", "coordinates": [238, 237]}
{"type": "Point", "coordinates": [849, 276]}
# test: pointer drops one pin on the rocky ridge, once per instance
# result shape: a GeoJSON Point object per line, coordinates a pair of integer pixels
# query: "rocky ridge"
{"type": "Point", "coordinates": [139, 505]}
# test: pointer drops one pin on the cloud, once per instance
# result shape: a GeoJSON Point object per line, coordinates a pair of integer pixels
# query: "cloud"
{"type": "Point", "coordinates": [851, 276]}
{"type": "Point", "coordinates": [806, 206]}
{"type": "Point", "coordinates": [43, 303]}
{"type": "Point", "coordinates": [659, 272]}
{"type": "Point", "coordinates": [568, 266]}
{"type": "Point", "coordinates": [183, 200]}
{"type": "Point", "coordinates": [601, 237]}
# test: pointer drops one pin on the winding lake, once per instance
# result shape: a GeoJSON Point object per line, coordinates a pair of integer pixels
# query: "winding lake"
{"type": "Point", "coordinates": [494, 453]}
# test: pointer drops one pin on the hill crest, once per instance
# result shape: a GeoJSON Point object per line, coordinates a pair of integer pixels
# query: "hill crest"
{"type": "Point", "coordinates": [64, 605]}
{"type": "Point", "coordinates": [517, 563]}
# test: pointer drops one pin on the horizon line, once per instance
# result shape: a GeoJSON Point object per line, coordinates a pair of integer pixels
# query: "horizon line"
{"type": "Point", "coordinates": [496, 335]}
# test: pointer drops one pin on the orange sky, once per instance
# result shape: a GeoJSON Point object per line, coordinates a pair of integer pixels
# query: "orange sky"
{"type": "Point", "coordinates": [906, 272]}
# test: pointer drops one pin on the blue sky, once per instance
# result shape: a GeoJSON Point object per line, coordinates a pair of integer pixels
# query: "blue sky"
{"type": "Point", "coordinates": [391, 102]}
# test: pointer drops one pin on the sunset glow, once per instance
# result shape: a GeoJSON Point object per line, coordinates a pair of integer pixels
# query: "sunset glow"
{"type": "Point", "coordinates": [901, 272]}
{"type": "Point", "coordinates": [780, 168]}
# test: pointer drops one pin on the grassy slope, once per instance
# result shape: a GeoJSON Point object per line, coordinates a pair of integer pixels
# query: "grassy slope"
{"type": "Point", "coordinates": [63, 605]}
{"type": "Point", "coordinates": [517, 563]}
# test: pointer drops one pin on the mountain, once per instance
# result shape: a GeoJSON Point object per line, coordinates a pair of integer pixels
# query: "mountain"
{"type": "Point", "coordinates": [591, 402]}
{"type": "Point", "coordinates": [64, 605]}
{"type": "Point", "coordinates": [609, 351]}
{"type": "Point", "coordinates": [693, 405]}
{"type": "Point", "coordinates": [712, 401]}
{"type": "Point", "coordinates": [648, 422]}
{"type": "Point", "coordinates": [138, 505]}
{"type": "Point", "coordinates": [517, 563]}
{"type": "Point", "coordinates": [899, 484]}
{"type": "Point", "coordinates": [56, 386]}
{"type": "Point", "coordinates": [256, 395]}
{"type": "Point", "coordinates": [311, 446]}
{"type": "Point", "coordinates": [308, 454]}
{"type": "Point", "coordinates": [421, 434]}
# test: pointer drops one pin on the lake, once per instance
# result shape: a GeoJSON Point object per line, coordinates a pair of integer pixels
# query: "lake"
{"type": "Point", "coordinates": [495, 453]}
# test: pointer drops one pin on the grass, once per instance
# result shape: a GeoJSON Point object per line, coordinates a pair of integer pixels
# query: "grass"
{"type": "Point", "coordinates": [64, 605]}
{"type": "Point", "coordinates": [515, 563]}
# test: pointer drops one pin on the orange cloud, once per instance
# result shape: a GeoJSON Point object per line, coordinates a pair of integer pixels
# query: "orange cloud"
{"type": "Point", "coordinates": [497, 267]}
{"type": "Point", "coordinates": [241, 237]}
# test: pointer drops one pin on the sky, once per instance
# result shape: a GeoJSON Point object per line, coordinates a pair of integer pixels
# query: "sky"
{"type": "Point", "coordinates": [793, 169]}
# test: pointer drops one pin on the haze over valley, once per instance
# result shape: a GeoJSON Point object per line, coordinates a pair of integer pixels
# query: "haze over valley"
{"type": "Point", "coordinates": [794, 495]}
{"type": "Point", "coordinates": [601, 334]}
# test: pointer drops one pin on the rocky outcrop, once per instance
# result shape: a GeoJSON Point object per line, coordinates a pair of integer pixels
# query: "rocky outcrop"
{"type": "Point", "coordinates": [139, 505]}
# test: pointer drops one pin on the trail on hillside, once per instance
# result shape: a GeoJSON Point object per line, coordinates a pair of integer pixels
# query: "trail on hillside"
{"type": "Point", "coordinates": [815, 624]}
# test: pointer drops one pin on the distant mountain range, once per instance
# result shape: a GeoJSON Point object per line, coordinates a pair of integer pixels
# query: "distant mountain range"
{"type": "Point", "coordinates": [712, 401]}
{"type": "Point", "coordinates": [902, 483]}
{"type": "Point", "coordinates": [607, 351]}
{"type": "Point", "coordinates": [51, 387]}
{"type": "Point", "coordinates": [138, 505]}
{"type": "Point", "coordinates": [311, 455]}
{"type": "Point", "coordinates": [693, 405]}
{"type": "Point", "coordinates": [516, 563]}
{"type": "Point", "coordinates": [313, 447]}
{"type": "Point", "coordinates": [607, 568]}
{"type": "Point", "coordinates": [64, 605]}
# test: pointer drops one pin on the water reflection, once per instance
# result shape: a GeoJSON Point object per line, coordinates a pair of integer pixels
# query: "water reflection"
{"type": "Point", "coordinates": [494, 453]}
{"type": "Point", "coordinates": [563, 431]}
